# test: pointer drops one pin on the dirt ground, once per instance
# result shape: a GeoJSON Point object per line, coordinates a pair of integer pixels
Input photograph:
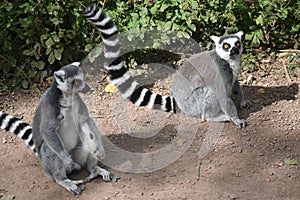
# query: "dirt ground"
{"type": "Point", "coordinates": [248, 163]}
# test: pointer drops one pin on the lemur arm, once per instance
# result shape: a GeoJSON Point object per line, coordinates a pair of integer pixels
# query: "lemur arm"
{"type": "Point", "coordinates": [227, 105]}
{"type": "Point", "coordinates": [49, 131]}
{"type": "Point", "coordinates": [237, 90]}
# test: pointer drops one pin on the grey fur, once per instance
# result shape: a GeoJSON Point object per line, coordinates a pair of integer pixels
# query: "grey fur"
{"type": "Point", "coordinates": [65, 136]}
{"type": "Point", "coordinates": [203, 85]}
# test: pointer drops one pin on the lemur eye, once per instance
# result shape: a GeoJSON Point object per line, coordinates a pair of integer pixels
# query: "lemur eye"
{"type": "Point", "coordinates": [238, 44]}
{"type": "Point", "coordinates": [226, 46]}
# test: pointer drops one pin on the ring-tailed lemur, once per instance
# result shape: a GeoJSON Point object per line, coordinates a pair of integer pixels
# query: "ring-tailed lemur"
{"type": "Point", "coordinates": [204, 83]}
{"type": "Point", "coordinates": [64, 136]}
{"type": "Point", "coordinates": [196, 91]}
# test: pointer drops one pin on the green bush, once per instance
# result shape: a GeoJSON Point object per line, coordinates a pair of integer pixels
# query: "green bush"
{"type": "Point", "coordinates": [37, 37]}
{"type": "Point", "coordinates": [267, 23]}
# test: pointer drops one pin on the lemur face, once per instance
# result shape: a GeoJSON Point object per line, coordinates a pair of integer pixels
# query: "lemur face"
{"type": "Point", "coordinates": [229, 47]}
{"type": "Point", "coordinates": [70, 78]}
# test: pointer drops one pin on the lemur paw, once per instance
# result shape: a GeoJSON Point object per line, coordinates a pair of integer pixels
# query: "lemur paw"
{"type": "Point", "coordinates": [246, 104]}
{"type": "Point", "coordinates": [106, 176]}
{"type": "Point", "coordinates": [74, 189]}
{"type": "Point", "coordinates": [240, 123]}
{"type": "Point", "coordinates": [99, 155]}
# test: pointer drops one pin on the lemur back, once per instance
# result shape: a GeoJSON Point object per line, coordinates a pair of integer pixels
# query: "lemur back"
{"type": "Point", "coordinates": [205, 101]}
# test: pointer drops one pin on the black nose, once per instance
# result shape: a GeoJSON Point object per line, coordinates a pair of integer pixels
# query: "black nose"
{"type": "Point", "coordinates": [234, 50]}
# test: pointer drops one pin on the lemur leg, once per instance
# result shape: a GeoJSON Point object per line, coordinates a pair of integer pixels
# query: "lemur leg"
{"type": "Point", "coordinates": [54, 166]}
{"type": "Point", "coordinates": [54, 141]}
{"type": "Point", "coordinates": [219, 118]}
{"type": "Point", "coordinates": [92, 144]}
{"type": "Point", "coordinates": [84, 157]}
{"type": "Point", "coordinates": [95, 170]}
{"type": "Point", "coordinates": [91, 139]}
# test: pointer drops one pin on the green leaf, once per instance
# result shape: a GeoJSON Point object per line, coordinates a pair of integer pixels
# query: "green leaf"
{"type": "Point", "coordinates": [290, 162]}
{"type": "Point", "coordinates": [184, 34]}
{"type": "Point", "coordinates": [25, 84]}
{"type": "Point", "coordinates": [249, 36]}
{"type": "Point", "coordinates": [44, 37]}
{"type": "Point", "coordinates": [48, 51]}
{"type": "Point", "coordinates": [43, 75]}
{"type": "Point", "coordinates": [255, 40]}
{"type": "Point", "coordinates": [49, 42]}
{"type": "Point", "coordinates": [167, 25]}
{"type": "Point", "coordinates": [260, 34]}
{"type": "Point", "coordinates": [156, 45]}
{"type": "Point", "coordinates": [175, 27]}
{"type": "Point", "coordinates": [164, 7]}
{"type": "Point", "coordinates": [55, 38]}
{"type": "Point", "coordinates": [135, 16]}
{"type": "Point", "coordinates": [259, 20]}
{"type": "Point", "coordinates": [134, 24]}
{"type": "Point", "coordinates": [194, 4]}
{"type": "Point", "coordinates": [154, 9]}
{"type": "Point", "coordinates": [6, 68]}
{"type": "Point", "coordinates": [58, 53]}
{"type": "Point", "coordinates": [192, 27]}
{"type": "Point", "coordinates": [38, 64]}
{"type": "Point", "coordinates": [51, 58]}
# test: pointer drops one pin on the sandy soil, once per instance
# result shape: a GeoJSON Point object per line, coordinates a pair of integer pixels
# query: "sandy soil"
{"type": "Point", "coordinates": [241, 164]}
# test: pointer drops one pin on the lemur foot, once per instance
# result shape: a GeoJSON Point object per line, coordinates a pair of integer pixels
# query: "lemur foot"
{"type": "Point", "coordinates": [96, 171]}
{"type": "Point", "coordinates": [71, 185]}
{"type": "Point", "coordinates": [240, 123]}
{"type": "Point", "coordinates": [246, 104]}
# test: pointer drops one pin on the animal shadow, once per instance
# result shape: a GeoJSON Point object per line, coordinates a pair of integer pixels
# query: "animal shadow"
{"type": "Point", "coordinates": [265, 96]}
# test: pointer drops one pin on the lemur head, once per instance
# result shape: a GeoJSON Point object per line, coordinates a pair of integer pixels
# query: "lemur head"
{"type": "Point", "coordinates": [70, 78]}
{"type": "Point", "coordinates": [229, 47]}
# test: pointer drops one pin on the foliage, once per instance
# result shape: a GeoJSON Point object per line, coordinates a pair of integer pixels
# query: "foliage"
{"type": "Point", "coordinates": [294, 65]}
{"type": "Point", "coordinates": [268, 25]}
{"type": "Point", "coordinates": [39, 36]}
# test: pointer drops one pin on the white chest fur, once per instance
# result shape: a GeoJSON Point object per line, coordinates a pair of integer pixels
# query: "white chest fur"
{"type": "Point", "coordinates": [235, 65]}
{"type": "Point", "coordinates": [69, 127]}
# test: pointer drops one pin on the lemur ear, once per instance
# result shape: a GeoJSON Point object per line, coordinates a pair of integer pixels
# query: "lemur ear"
{"type": "Point", "coordinates": [60, 76]}
{"type": "Point", "coordinates": [214, 38]}
{"type": "Point", "coordinates": [76, 64]}
{"type": "Point", "coordinates": [240, 34]}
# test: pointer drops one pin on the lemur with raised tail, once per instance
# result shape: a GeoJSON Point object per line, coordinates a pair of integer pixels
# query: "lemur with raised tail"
{"type": "Point", "coordinates": [202, 86]}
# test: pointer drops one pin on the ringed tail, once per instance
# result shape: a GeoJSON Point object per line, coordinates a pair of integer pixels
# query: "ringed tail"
{"type": "Point", "coordinates": [120, 76]}
{"type": "Point", "coordinates": [21, 129]}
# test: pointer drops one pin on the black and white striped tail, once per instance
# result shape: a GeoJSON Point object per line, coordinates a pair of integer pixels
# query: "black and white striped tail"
{"type": "Point", "coordinates": [120, 76]}
{"type": "Point", "coordinates": [19, 128]}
